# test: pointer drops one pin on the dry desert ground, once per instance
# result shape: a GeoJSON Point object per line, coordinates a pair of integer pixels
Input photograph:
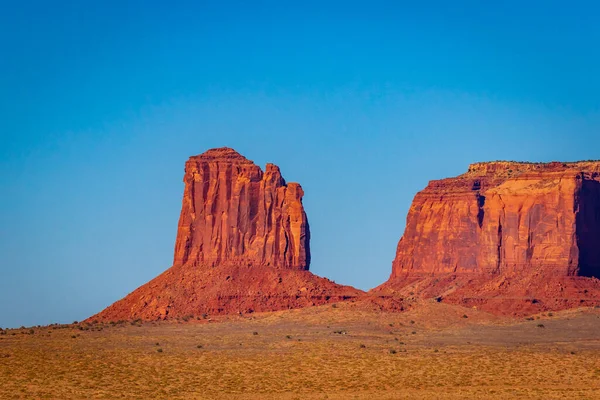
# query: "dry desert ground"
{"type": "Point", "coordinates": [340, 351]}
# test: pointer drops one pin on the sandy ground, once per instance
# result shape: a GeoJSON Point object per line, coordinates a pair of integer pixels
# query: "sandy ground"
{"type": "Point", "coordinates": [344, 351]}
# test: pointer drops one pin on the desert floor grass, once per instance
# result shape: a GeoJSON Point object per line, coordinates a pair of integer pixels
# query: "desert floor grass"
{"type": "Point", "coordinates": [344, 352]}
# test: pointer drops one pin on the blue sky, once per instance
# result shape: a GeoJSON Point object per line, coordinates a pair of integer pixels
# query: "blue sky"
{"type": "Point", "coordinates": [361, 102]}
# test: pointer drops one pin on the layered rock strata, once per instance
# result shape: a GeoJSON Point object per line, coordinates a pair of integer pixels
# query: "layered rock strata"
{"type": "Point", "coordinates": [502, 217]}
{"type": "Point", "coordinates": [517, 231]}
{"type": "Point", "coordinates": [232, 212]}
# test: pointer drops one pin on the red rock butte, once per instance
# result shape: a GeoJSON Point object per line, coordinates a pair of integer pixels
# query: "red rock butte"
{"type": "Point", "coordinates": [232, 212]}
{"type": "Point", "coordinates": [506, 231]}
{"type": "Point", "coordinates": [242, 246]}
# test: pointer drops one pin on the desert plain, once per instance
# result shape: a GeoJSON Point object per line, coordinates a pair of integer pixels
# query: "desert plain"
{"type": "Point", "coordinates": [346, 350]}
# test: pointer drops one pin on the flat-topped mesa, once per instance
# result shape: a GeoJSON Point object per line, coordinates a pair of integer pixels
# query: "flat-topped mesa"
{"type": "Point", "coordinates": [234, 213]}
{"type": "Point", "coordinates": [506, 217]}
{"type": "Point", "coordinates": [513, 168]}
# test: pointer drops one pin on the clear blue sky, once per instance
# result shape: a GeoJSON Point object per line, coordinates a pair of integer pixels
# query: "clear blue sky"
{"type": "Point", "coordinates": [361, 102]}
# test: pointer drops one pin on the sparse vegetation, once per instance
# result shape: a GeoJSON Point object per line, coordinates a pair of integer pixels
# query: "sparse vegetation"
{"type": "Point", "coordinates": [486, 362]}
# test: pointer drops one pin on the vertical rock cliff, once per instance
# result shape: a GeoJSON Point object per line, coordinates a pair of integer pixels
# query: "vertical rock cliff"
{"type": "Point", "coordinates": [502, 217]}
{"type": "Point", "coordinates": [232, 212]}
{"type": "Point", "coordinates": [242, 246]}
{"type": "Point", "coordinates": [504, 229]}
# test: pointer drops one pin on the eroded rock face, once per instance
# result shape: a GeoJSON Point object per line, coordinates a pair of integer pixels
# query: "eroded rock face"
{"type": "Point", "coordinates": [233, 212]}
{"type": "Point", "coordinates": [242, 246]}
{"type": "Point", "coordinates": [509, 238]}
{"type": "Point", "coordinates": [505, 217]}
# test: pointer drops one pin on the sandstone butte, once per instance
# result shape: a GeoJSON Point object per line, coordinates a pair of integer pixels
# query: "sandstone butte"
{"type": "Point", "coordinates": [506, 237]}
{"type": "Point", "coordinates": [242, 246]}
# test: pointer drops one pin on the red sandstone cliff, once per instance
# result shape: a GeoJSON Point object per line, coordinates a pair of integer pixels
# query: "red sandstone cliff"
{"type": "Point", "coordinates": [242, 246]}
{"type": "Point", "coordinates": [505, 231]}
{"type": "Point", "coordinates": [232, 212]}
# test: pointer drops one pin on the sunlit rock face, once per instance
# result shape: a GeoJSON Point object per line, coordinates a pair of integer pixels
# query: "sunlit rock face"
{"type": "Point", "coordinates": [506, 217]}
{"type": "Point", "coordinates": [233, 212]}
{"type": "Point", "coordinates": [242, 246]}
{"type": "Point", "coordinates": [505, 237]}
